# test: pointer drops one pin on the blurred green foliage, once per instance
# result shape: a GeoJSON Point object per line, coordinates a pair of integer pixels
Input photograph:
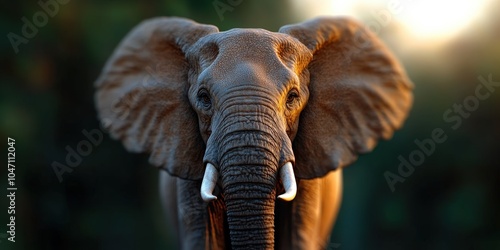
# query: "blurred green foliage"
{"type": "Point", "coordinates": [111, 201]}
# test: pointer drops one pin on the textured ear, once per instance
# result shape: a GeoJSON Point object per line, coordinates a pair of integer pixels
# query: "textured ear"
{"type": "Point", "coordinates": [359, 93]}
{"type": "Point", "coordinates": [142, 95]}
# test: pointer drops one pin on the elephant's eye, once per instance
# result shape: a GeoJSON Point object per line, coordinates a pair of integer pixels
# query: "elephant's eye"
{"type": "Point", "coordinates": [204, 98]}
{"type": "Point", "coordinates": [292, 97]}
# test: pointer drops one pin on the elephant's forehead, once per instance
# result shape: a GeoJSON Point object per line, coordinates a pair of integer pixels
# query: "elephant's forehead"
{"type": "Point", "coordinates": [257, 55]}
{"type": "Point", "coordinates": [257, 43]}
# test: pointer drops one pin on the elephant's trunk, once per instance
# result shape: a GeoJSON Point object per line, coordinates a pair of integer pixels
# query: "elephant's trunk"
{"type": "Point", "coordinates": [246, 151]}
{"type": "Point", "coordinates": [248, 176]}
{"type": "Point", "coordinates": [251, 220]}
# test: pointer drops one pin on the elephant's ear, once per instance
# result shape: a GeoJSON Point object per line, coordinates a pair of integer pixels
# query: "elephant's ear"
{"type": "Point", "coordinates": [142, 95]}
{"type": "Point", "coordinates": [359, 93]}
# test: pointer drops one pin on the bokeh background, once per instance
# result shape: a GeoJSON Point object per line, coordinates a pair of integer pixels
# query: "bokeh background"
{"type": "Point", "coordinates": [110, 200]}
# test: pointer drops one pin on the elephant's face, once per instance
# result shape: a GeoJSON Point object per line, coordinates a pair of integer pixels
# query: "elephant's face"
{"type": "Point", "coordinates": [240, 68]}
{"type": "Point", "coordinates": [248, 88]}
{"type": "Point", "coordinates": [224, 107]}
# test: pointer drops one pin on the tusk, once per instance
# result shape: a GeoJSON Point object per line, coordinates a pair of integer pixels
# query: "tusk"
{"type": "Point", "coordinates": [208, 183]}
{"type": "Point", "coordinates": [288, 179]}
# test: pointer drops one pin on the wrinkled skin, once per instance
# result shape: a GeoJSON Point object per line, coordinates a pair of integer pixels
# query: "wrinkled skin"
{"type": "Point", "coordinates": [246, 115]}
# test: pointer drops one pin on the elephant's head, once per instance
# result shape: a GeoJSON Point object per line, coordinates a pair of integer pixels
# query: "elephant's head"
{"type": "Point", "coordinates": [250, 110]}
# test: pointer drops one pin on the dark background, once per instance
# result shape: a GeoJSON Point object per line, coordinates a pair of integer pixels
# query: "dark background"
{"type": "Point", "coordinates": [110, 200]}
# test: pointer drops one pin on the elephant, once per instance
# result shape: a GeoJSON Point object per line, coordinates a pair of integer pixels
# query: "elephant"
{"type": "Point", "coordinates": [251, 128]}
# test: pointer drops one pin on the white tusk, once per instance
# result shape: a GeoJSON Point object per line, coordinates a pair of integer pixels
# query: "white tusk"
{"type": "Point", "coordinates": [208, 183]}
{"type": "Point", "coordinates": [288, 179]}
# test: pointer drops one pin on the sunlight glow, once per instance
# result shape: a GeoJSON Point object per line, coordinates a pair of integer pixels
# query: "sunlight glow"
{"type": "Point", "coordinates": [422, 19]}
{"type": "Point", "coordinates": [441, 18]}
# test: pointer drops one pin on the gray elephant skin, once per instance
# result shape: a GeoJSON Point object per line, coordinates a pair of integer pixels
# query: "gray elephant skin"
{"type": "Point", "coordinates": [251, 128]}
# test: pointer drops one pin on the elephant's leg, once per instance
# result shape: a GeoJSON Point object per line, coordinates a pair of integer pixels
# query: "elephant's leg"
{"type": "Point", "coordinates": [168, 196]}
{"type": "Point", "coordinates": [217, 228]}
{"type": "Point", "coordinates": [186, 211]}
{"type": "Point", "coordinates": [331, 189]}
{"type": "Point", "coordinates": [192, 215]}
{"type": "Point", "coordinates": [314, 211]}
